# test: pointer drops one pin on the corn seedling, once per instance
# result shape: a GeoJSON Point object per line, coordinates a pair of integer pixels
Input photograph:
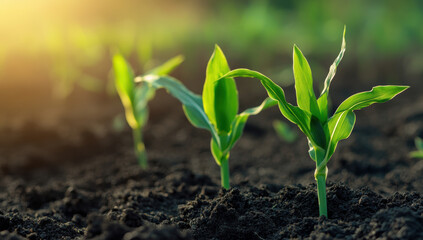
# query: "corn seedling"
{"type": "Point", "coordinates": [419, 145]}
{"type": "Point", "coordinates": [135, 98]}
{"type": "Point", "coordinates": [311, 114]}
{"type": "Point", "coordinates": [216, 110]}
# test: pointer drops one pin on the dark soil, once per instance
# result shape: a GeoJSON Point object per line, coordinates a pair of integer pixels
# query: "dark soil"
{"type": "Point", "coordinates": [74, 177]}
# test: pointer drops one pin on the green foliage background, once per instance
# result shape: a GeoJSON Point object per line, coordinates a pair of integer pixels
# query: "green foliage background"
{"type": "Point", "coordinates": [74, 39]}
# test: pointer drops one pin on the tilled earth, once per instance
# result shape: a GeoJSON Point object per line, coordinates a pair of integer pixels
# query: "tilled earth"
{"type": "Point", "coordinates": [83, 182]}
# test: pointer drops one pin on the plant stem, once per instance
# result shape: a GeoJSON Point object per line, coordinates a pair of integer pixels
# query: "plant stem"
{"type": "Point", "coordinates": [140, 148]}
{"type": "Point", "coordinates": [224, 172]}
{"type": "Point", "coordinates": [320, 176]}
{"type": "Point", "coordinates": [321, 194]}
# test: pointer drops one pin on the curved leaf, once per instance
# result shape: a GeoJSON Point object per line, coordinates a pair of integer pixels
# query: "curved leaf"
{"type": "Point", "coordinates": [323, 99]}
{"type": "Point", "coordinates": [192, 103]}
{"type": "Point", "coordinates": [167, 67]}
{"type": "Point", "coordinates": [267, 103]}
{"type": "Point", "coordinates": [220, 98]}
{"type": "Point", "coordinates": [378, 94]}
{"type": "Point", "coordinates": [340, 127]}
{"type": "Point", "coordinates": [292, 113]}
{"type": "Point", "coordinates": [341, 124]}
{"type": "Point", "coordinates": [124, 82]}
{"type": "Point", "coordinates": [241, 119]}
{"type": "Point", "coordinates": [306, 99]}
{"type": "Point", "coordinates": [216, 152]}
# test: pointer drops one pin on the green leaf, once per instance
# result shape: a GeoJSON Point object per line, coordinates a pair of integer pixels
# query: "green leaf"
{"type": "Point", "coordinates": [316, 154]}
{"type": "Point", "coordinates": [306, 99]}
{"type": "Point", "coordinates": [419, 143]}
{"type": "Point", "coordinates": [341, 124]}
{"type": "Point", "coordinates": [378, 94]}
{"type": "Point", "coordinates": [292, 113]}
{"type": "Point", "coordinates": [267, 103]}
{"type": "Point", "coordinates": [323, 99]}
{"type": "Point", "coordinates": [167, 67]}
{"type": "Point", "coordinates": [124, 82]}
{"type": "Point", "coordinates": [228, 142]}
{"type": "Point", "coordinates": [416, 154]}
{"type": "Point", "coordinates": [340, 127]}
{"type": "Point", "coordinates": [311, 151]}
{"type": "Point", "coordinates": [241, 119]}
{"type": "Point", "coordinates": [216, 152]}
{"type": "Point", "coordinates": [220, 98]}
{"type": "Point", "coordinates": [143, 94]}
{"type": "Point", "coordinates": [192, 103]}
{"type": "Point", "coordinates": [319, 135]}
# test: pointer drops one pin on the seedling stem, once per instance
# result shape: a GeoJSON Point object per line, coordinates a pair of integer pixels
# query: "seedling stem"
{"type": "Point", "coordinates": [224, 171]}
{"type": "Point", "coordinates": [320, 175]}
{"type": "Point", "coordinates": [321, 194]}
{"type": "Point", "coordinates": [140, 148]}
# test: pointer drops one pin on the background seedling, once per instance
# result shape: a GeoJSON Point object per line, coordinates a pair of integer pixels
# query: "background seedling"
{"type": "Point", "coordinates": [284, 131]}
{"type": "Point", "coordinates": [135, 98]}
{"type": "Point", "coordinates": [216, 110]}
{"type": "Point", "coordinates": [419, 146]}
{"type": "Point", "coordinates": [311, 114]}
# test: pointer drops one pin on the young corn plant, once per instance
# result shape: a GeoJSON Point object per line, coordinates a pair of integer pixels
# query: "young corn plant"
{"type": "Point", "coordinates": [216, 110]}
{"type": "Point", "coordinates": [419, 145]}
{"type": "Point", "coordinates": [135, 98]}
{"type": "Point", "coordinates": [311, 114]}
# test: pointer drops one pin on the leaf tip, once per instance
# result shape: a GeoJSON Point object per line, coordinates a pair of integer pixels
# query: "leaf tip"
{"type": "Point", "coordinates": [217, 53]}
{"type": "Point", "coordinates": [117, 56]}
{"type": "Point", "coordinates": [402, 88]}
{"type": "Point", "coordinates": [297, 51]}
{"type": "Point", "coordinates": [180, 58]}
{"type": "Point", "coordinates": [217, 48]}
{"type": "Point", "coordinates": [343, 37]}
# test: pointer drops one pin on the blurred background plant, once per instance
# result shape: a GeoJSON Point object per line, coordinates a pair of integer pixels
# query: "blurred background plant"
{"type": "Point", "coordinates": [284, 131]}
{"type": "Point", "coordinates": [419, 145]}
{"type": "Point", "coordinates": [51, 47]}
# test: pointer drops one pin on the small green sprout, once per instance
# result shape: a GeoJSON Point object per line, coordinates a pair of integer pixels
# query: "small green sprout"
{"type": "Point", "coordinates": [311, 114]}
{"type": "Point", "coordinates": [135, 98]}
{"type": "Point", "coordinates": [284, 131]}
{"type": "Point", "coordinates": [419, 146]}
{"type": "Point", "coordinates": [216, 110]}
